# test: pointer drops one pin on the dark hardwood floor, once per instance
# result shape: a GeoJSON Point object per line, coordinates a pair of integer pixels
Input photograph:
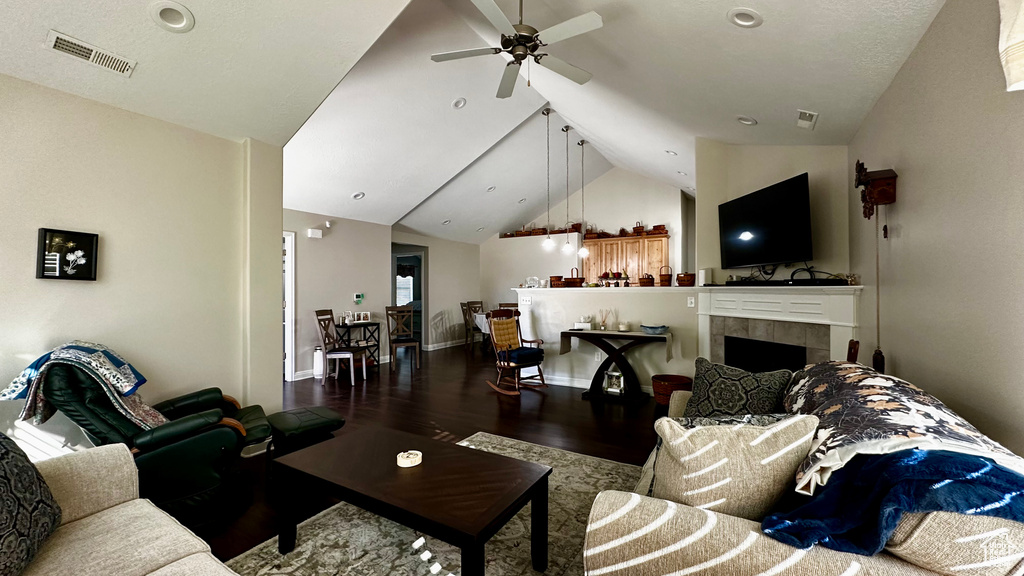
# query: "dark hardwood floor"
{"type": "Point", "coordinates": [448, 400]}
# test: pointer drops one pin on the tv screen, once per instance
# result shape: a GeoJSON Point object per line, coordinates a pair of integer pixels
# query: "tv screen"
{"type": "Point", "coordinates": [770, 226]}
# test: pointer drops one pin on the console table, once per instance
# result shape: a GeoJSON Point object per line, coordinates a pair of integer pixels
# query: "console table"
{"type": "Point", "coordinates": [369, 331]}
{"type": "Point", "coordinates": [616, 355]}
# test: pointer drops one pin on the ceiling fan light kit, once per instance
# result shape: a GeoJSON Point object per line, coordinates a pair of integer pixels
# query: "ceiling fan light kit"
{"type": "Point", "coordinates": [522, 41]}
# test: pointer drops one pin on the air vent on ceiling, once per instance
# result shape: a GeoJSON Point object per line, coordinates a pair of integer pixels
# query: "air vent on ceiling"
{"type": "Point", "coordinates": [96, 56]}
{"type": "Point", "coordinates": [805, 119]}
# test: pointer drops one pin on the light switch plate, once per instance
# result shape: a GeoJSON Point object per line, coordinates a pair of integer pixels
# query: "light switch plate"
{"type": "Point", "coordinates": [691, 301]}
{"type": "Point", "coordinates": [526, 300]}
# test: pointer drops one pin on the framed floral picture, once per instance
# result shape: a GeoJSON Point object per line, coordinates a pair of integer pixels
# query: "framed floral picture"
{"type": "Point", "coordinates": [66, 255]}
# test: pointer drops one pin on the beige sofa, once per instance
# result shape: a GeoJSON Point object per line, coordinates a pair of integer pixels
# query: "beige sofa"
{"type": "Point", "coordinates": [630, 534]}
{"type": "Point", "coordinates": [107, 529]}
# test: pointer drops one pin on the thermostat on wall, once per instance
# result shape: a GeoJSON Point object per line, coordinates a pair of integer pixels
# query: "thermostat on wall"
{"type": "Point", "coordinates": [357, 297]}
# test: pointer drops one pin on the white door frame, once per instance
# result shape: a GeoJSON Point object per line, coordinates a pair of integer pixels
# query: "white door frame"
{"type": "Point", "coordinates": [289, 305]}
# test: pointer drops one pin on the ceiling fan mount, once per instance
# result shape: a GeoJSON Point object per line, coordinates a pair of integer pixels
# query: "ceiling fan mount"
{"type": "Point", "coordinates": [521, 41]}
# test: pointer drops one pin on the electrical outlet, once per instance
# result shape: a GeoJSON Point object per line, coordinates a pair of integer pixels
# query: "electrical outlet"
{"type": "Point", "coordinates": [691, 301]}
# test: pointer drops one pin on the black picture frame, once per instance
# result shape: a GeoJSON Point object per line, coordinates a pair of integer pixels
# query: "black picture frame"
{"type": "Point", "coordinates": [55, 247]}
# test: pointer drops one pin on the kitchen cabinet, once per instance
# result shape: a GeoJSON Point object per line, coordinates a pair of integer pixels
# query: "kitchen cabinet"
{"type": "Point", "coordinates": [632, 255]}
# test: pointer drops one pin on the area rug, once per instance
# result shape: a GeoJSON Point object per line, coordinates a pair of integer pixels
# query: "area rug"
{"type": "Point", "coordinates": [346, 540]}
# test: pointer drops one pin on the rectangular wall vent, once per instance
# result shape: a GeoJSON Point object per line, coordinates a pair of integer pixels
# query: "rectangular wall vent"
{"type": "Point", "coordinates": [806, 120]}
{"type": "Point", "coordinates": [83, 51]}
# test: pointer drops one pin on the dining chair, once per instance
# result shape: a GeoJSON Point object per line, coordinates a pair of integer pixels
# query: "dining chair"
{"type": "Point", "coordinates": [508, 305]}
{"type": "Point", "coordinates": [513, 353]}
{"type": "Point", "coordinates": [469, 310]}
{"type": "Point", "coordinates": [400, 332]}
{"type": "Point", "coordinates": [334, 350]}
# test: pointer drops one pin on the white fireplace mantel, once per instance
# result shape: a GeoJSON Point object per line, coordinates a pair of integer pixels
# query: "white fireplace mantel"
{"type": "Point", "coordinates": [835, 306]}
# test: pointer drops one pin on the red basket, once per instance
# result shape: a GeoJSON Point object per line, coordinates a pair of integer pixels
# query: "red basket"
{"type": "Point", "coordinates": [665, 384]}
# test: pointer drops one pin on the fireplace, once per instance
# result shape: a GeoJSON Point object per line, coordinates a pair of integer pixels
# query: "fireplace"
{"type": "Point", "coordinates": [760, 356]}
{"type": "Point", "coordinates": [768, 328]}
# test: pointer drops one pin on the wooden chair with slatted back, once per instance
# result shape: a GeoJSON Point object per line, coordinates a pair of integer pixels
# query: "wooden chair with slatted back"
{"type": "Point", "coordinates": [469, 309]}
{"type": "Point", "coordinates": [513, 353]}
{"type": "Point", "coordinates": [508, 305]}
{"type": "Point", "coordinates": [335, 350]}
{"type": "Point", "coordinates": [400, 332]}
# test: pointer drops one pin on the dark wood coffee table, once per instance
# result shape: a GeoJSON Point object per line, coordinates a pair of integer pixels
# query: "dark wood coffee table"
{"type": "Point", "coordinates": [459, 495]}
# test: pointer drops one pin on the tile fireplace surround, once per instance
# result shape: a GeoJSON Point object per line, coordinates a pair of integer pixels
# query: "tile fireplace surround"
{"type": "Point", "coordinates": [822, 319]}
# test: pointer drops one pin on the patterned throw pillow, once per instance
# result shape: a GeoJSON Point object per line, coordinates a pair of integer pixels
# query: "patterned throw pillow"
{"type": "Point", "coordinates": [720, 390]}
{"type": "Point", "coordinates": [30, 514]}
{"type": "Point", "coordinates": [739, 467]}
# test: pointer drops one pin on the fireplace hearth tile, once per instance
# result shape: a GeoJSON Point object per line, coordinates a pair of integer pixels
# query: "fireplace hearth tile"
{"type": "Point", "coordinates": [718, 325]}
{"type": "Point", "coordinates": [793, 333]}
{"type": "Point", "coordinates": [718, 349]}
{"type": "Point", "coordinates": [818, 336]}
{"type": "Point", "coordinates": [817, 355]}
{"type": "Point", "coordinates": [737, 327]}
{"type": "Point", "coordinates": [762, 330]}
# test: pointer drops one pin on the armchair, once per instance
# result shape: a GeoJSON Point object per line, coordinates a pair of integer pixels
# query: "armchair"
{"type": "Point", "coordinates": [186, 466]}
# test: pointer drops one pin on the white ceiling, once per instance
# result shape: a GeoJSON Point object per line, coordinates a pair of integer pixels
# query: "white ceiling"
{"type": "Point", "coordinates": [665, 72]}
{"type": "Point", "coordinates": [247, 69]}
{"type": "Point", "coordinates": [515, 166]}
{"type": "Point", "coordinates": [389, 129]}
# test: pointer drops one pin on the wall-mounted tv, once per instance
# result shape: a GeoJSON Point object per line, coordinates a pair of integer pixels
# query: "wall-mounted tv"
{"type": "Point", "coordinates": [770, 226]}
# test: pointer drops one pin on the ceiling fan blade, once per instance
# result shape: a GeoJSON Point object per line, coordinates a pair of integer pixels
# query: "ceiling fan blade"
{"type": "Point", "coordinates": [495, 16]}
{"type": "Point", "coordinates": [577, 75]}
{"type": "Point", "coordinates": [571, 27]}
{"type": "Point", "coordinates": [508, 80]}
{"type": "Point", "coordinates": [446, 56]}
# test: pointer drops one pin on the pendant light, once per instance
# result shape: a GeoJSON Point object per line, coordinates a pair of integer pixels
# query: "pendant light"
{"type": "Point", "coordinates": [584, 251]}
{"type": "Point", "coordinates": [549, 242]}
{"type": "Point", "coordinates": [567, 248]}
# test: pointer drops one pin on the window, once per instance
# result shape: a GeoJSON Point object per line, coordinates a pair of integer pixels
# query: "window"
{"type": "Point", "coordinates": [403, 290]}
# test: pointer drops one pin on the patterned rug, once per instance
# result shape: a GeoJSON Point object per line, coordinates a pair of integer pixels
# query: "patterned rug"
{"type": "Point", "coordinates": [345, 540]}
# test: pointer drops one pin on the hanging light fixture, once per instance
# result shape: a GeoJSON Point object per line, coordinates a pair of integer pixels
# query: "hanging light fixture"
{"type": "Point", "coordinates": [549, 242]}
{"type": "Point", "coordinates": [567, 247]}
{"type": "Point", "coordinates": [584, 251]}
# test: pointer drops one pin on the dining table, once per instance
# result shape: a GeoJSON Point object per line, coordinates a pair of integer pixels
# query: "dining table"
{"type": "Point", "coordinates": [481, 322]}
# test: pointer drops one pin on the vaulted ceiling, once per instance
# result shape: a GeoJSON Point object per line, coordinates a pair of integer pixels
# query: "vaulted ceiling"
{"type": "Point", "coordinates": [379, 112]}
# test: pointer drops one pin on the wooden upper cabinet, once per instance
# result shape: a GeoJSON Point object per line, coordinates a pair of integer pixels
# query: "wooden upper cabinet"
{"type": "Point", "coordinates": [633, 255]}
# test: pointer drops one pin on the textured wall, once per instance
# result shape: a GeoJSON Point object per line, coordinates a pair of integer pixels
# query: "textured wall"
{"type": "Point", "coordinates": [952, 272]}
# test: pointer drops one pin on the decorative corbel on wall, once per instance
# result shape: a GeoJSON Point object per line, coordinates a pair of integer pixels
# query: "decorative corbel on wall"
{"type": "Point", "coordinates": [879, 188]}
{"type": "Point", "coordinates": [1011, 42]}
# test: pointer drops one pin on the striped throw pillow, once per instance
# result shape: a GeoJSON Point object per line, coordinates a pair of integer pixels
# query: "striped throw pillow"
{"type": "Point", "coordinates": [736, 468]}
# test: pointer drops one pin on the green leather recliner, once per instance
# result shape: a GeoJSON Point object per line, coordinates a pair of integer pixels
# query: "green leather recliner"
{"type": "Point", "coordinates": [187, 467]}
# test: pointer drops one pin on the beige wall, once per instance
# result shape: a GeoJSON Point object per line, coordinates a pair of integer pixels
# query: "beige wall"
{"type": "Point", "coordinates": [351, 257]}
{"type": "Point", "coordinates": [453, 276]}
{"type": "Point", "coordinates": [618, 199]}
{"type": "Point", "coordinates": [726, 172]}
{"type": "Point", "coordinates": [953, 268]}
{"type": "Point", "coordinates": [505, 263]}
{"type": "Point", "coordinates": [167, 203]}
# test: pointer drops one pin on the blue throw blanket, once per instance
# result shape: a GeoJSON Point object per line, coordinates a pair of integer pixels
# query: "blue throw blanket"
{"type": "Point", "coordinates": [116, 377]}
{"type": "Point", "coordinates": [859, 508]}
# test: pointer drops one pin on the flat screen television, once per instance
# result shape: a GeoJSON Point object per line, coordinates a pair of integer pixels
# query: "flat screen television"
{"type": "Point", "coordinates": [770, 226]}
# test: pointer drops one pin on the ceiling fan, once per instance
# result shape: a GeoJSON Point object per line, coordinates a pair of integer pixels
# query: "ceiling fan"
{"type": "Point", "coordinates": [522, 41]}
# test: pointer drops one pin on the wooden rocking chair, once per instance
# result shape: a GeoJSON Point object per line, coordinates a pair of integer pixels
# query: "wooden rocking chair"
{"type": "Point", "coordinates": [513, 353]}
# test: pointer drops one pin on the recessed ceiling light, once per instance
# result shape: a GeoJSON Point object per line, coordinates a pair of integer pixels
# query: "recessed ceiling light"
{"type": "Point", "coordinates": [681, 173]}
{"type": "Point", "coordinates": [172, 16]}
{"type": "Point", "coordinates": [521, 200]}
{"type": "Point", "coordinates": [490, 188]}
{"type": "Point", "coordinates": [446, 222]}
{"type": "Point", "coordinates": [745, 17]}
{"type": "Point", "coordinates": [359, 195]}
{"type": "Point", "coordinates": [480, 229]}
{"type": "Point", "coordinates": [459, 103]}
{"type": "Point", "coordinates": [671, 153]}
{"type": "Point", "coordinates": [746, 120]}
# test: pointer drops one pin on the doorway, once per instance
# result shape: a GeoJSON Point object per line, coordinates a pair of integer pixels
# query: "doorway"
{"type": "Point", "coordinates": [408, 283]}
{"type": "Point", "coordinates": [288, 302]}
